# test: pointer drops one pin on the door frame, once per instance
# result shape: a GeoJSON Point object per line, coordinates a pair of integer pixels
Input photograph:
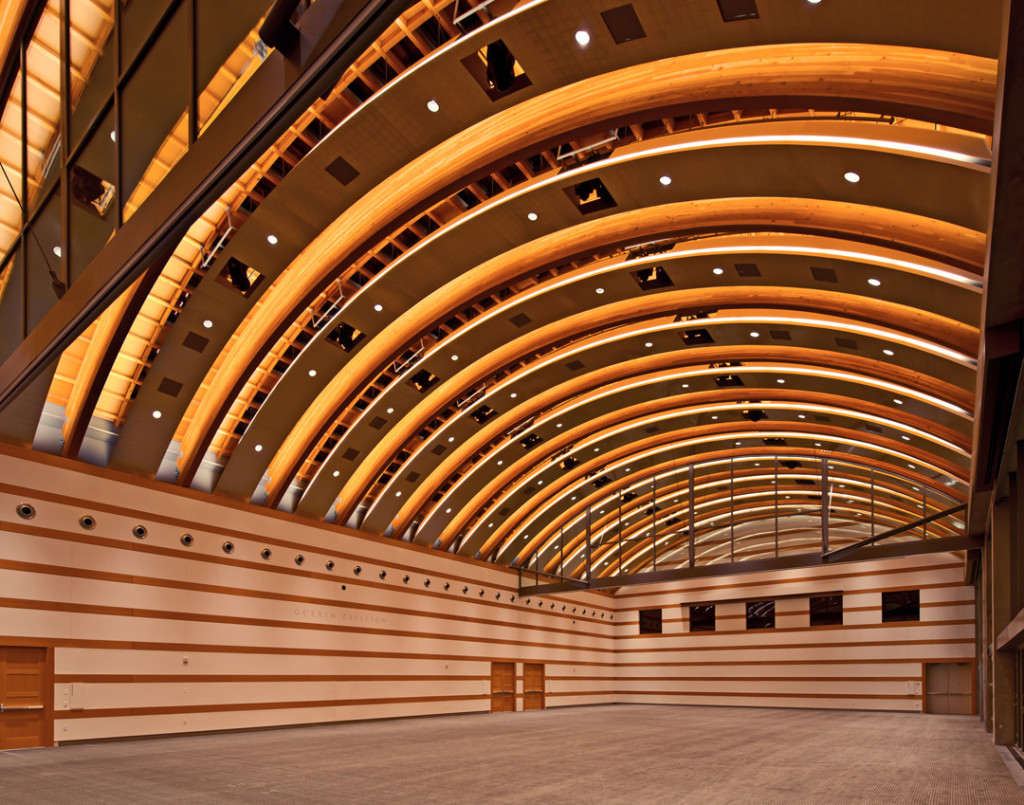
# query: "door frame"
{"type": "Point", "coordinates": [924, 683]}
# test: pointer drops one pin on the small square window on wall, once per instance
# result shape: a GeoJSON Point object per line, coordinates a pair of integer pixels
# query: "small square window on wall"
{"type": "Point", "coordinates": [650, 621]}
{"type": "Point", "coordinates": [901, 605]}
{"type": "Point", "coordinates": [760, 614]}
{"type": "Point", "coordinates": [702, 618]}
{"type": "Point", "coordinates": [827, 610]}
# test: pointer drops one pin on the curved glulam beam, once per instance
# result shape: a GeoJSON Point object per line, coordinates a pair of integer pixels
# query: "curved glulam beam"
{"type": "Point", "coordinates": [490, 496]}
{"type": "Point", "coordinates": [526, 258]}
{"type": "Point", "coordinates": [651, 369]}
{"type": "Point", "coordinates": [945, 331]}
{"type": "Point", "coordinates": [941, 82]}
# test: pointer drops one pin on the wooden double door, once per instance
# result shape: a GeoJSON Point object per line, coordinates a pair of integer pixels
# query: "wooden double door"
{"type": "Point", "coordinates": [24, 716]}
{"type": "Point", "coordinates": [503, 687]}
{"type": "Point", "coordinates": [949, 688]}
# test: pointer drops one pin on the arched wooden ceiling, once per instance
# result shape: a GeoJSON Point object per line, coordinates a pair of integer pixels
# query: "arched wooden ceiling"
{"type": "Point", "coordinates": [491, 328]}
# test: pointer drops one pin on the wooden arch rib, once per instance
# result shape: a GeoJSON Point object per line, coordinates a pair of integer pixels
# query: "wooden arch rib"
{"type": "Point", "coordinates": [825, 216]}
{"type": "Point", "coordinates": [545, 540]}
{"type": "Point", "coordinates": [485, 497]}
{"type": "Point", "coordinates": [955, 334]}
{"type": "Point", "coordinates": [495, 430]}
{"type": "Point", "coordinates": [580, 387]}
{"type": "Point", "coordinates": [927, 83]}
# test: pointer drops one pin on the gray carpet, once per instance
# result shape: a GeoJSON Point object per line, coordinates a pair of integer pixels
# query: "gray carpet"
{"type": "Point", "coordinates": [614, 754]}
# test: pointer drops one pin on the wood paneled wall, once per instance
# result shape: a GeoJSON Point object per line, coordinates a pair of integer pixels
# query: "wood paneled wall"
{"type": "Point", "coordinates": [153, 637]}
{"type": "Point", "coordinates": [861, 664]}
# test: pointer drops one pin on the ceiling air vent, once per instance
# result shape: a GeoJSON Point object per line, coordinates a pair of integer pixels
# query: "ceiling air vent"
{"type": "Point", "coordinates": [697, 336]}
{"type": "Point", "coordinates": [780, 335]}
{"type": "Point", "coordinates": [623, 24]}
{"type": "Point", "coordinates": [845, 343]}
{"type": "Point", "coordinates": [520, 320]}
{"type": "Point", "coordinates": [590, 195]}
{"type": "Point", "coordinates": [422, 380]}
{"type": "Point", "coordinates": [169, 387]}
{"type": "Point", "coordinates": [412, 477]}
{"type": "Point", "coordinates": [652, 278]}
{"type": "Point", "coordinates": [341, 170]}
{"type": "Point", "coordinates": [378, 422]}
{"type": "Point", "coordinates": [824, 274]}
{"type": "Point", "coordinates": [747, 270]}
{"type": "Point", "coordinates": [195, 342]}
{"type": "Point", "coordinates": [439, 449]}
{"type": "Point", "coordinates": [651, 429]}
{"type": "Point", "coordinates": [574, 366]}
{"type": "Point", "coordinates": [351, 454]}
{"type": "Point", "coordinates": [736, 10]}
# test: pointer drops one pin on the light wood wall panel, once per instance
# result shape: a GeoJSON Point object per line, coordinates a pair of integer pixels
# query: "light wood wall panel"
{"type": "Point", "coordinates": [152, 637]}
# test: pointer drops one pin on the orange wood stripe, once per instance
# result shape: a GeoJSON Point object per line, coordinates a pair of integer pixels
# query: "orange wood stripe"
{"type": "Point", "coordinates": [131, 679]}
{"type": "Point", "coordinates": [724, 633]}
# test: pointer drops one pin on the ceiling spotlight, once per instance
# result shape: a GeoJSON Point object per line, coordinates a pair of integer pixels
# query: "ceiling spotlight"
{"type": "Point", "coordinates": [336, 473]}
{"type": "Point", "coordinates": [433, 105]}
{"type": "Point", "coordinates": [207, 323]}
{"type": "Point", "coordinates": [912, 466]}
{"type": "Point", "coordinates": [58, 251]}
{"type": "Point", "coordinates": [513, 395]}
{"type": "Point", "coordinates": [258, 448]}
{"type": "Point", "coordinates": [312, 372]}
{"type": "Point", "coordinates": [451, 438]}
{"type": "Point", "coordinates": [905, 438]}
{"type": "Point", "coordinates": [113, 136]}
{"type": "Point", "coordinates": [391, 410]}
{"type": "Point", "coordinates": [649, 344]}
{"type": "Point", "coordinates": [582, 38]}
{"type": "Point", "coordinates": [851, 177]}
{"type": "Point", "coordinates": [665, 180]}
{"type": "Point", "coordinates": [398, 494]}
{"type": "Point", "coordinates": [558, 425]}
{"type": "Point", "coordinates": [755, 334]}
{"type": "Point", "coordinates": [532, 216]}
{"type": "Point", "coordinates": [714, 416]}
{"type": "Point", "coordinates": [888, 352]}
{"type": "Point", "coordinates": [739, 444]}
{"type": "Point", "coordinates": [455, 357]}
{"type": "Point", "coordinates": [897, 401]}
{"type": "Point", "coordinates": [780, 380]}
{"type": "Point", "coordinates": [874, 282]}
{"type": "Point", "coordinates": [157, 414]}
{"type": "Point", "coordinates": [598, 290]}
{"type": "Point", "coordinates": [801, 416]}
{"type": "Point", "coordinates": [378, 308]}
{"type": "Point", "coordinates": [718, 270]}
{"type": "Point", "coordinates": [272, 240]}
{"type": "Point", "coordinates": [686, 385]}
{"type": "Point", "coordinates": [448, 510]}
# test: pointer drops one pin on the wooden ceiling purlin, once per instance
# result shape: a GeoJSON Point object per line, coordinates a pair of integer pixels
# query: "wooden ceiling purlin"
{"type": "Point", "coordinates": [944, 80]}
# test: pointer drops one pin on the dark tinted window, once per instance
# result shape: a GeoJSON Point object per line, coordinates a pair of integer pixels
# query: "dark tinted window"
{"type": "Point", "coordinates": [760, 614]}
{"type": "Point", "coordinates": [702, 618]}
{"type": "Point", "coordinates": [901, 605]}
{"type": "Point", "coordinates": [827, 610]}
{"type": "Point", "coordinates": [650, 621]}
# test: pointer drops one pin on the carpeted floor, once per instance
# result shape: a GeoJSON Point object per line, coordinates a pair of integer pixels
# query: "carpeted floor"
{"type": "Point", "coordinates": [614, 754]}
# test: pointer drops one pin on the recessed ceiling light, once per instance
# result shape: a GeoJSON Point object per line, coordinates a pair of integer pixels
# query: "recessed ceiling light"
{"type": "Point", "coordinates": [780, 380]}
{"type": "Point", "coordinates": [573, 498]}
{"type": "Point", "coordinates": [686, 385]}
{"type": "Point", "coordinates": [755, 334]}
{"type": "Point", "coordinates": [888, 352]}
{"type": "Point", "coordinates": [598, 290]}
{"type": "Point", "coordinates": [814, 2]}
{"type": "Point", "coordinates": [718, 270]}
{"type": "Point", "coordinates": [532, 216]}
{"type": "Point", "coordinates": [739, 443]}
{"type": "Point", "coordinates": [665, 180]}
{"type": "Point", "coordinates": [874, 282]}
{"type": "Point", "coordinates": [558, 425]}
{"type": "Point", "coordinates": [513, 395]}
{"type": "Point", "coordinates": [649, 344]}
{"type": "Point", "coordinates": [897, 401]}
{"type": "Point", "coordinates": [207, 323]}
{"type": "Point", "coordinates": [905, 438]}
{"type": "Point", "coordinates": [500, 462]}
{"type": "Point", "coordinates": [398, 494]}
{"type": "Point", "coordinates": [540, 483]}
{"type": "Point", "coordinates": [336, 473]}
{"type": "Point", "coordinates": [714, 416]}
{"type": "Point", "coordinates": [801, 416]}
{"type": "Point", "coordinates": [817, 444]}
{"type": "Point", "coordinates": [272, 240]}
{"type": "Point", "coordinates": [157, 414]}
{"type": "Point", "coordinates": [378, 308]}
{"type": "Point", "coordinates": [113, 136]}
{"type": "Point", "coordinates": [258, 448]}
{"type": "Point", "coordinates": [596, 449]}
{"type": "Point", "coordinates": [58, 251]}
{"type": "Point", "coordinates": [455, 357]}
{"type": "Point", "coordinates": [582, 38]}
{"type": "Point", "coordinates": [312, 372]}
{"type": "Point", "coordinates": [851, 177]}
{"type": "Point", "coordinates": [912, 466]}
{"type": "Point", "coordinates": [391, 410]}
{"type": "Point", "coordinates": [448, 510]}
{"type": "Point", "coordinates": [451, 438]}
{"type": "Point", "coordinates": [433, 105]}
